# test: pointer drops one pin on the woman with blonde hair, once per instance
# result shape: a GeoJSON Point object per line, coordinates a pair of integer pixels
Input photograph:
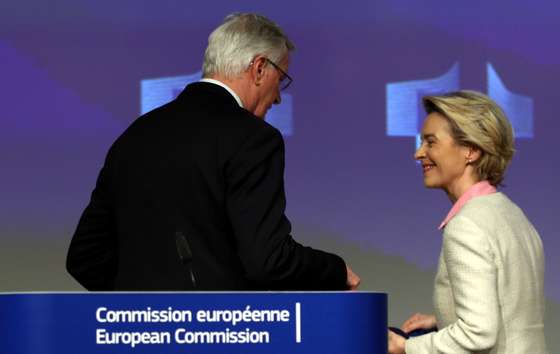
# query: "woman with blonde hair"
{"type": "Point", "coordinates": [488, 293]}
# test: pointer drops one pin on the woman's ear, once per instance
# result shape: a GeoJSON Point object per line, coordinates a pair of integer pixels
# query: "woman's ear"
{"type": "Point", "coordinates": [473, 154]}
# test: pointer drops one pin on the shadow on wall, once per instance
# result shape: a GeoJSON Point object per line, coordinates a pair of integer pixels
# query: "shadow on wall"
{"type": "Point", "coordinates": [41, 268]}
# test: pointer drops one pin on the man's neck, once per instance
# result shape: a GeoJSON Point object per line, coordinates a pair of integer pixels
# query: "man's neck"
{"type": "Point", "coordinates": [240, 86]}
{"type": "Point", "coordinates": [226, 87]}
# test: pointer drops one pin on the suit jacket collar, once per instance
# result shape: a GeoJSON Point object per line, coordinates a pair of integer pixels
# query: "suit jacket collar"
{"type": "Point", "coordinates": [218, 93]}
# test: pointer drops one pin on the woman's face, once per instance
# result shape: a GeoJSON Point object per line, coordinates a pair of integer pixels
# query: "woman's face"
{"type": "Point", "coordinates": [444, 162]}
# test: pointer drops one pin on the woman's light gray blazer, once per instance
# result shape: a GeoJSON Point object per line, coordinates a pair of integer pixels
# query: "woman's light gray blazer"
{"type": "Point", "coordinates": [488, 294]}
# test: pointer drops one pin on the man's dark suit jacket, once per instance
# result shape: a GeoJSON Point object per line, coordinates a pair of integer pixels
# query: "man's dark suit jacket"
{"type": "Point", "coordinates": [203, 166]}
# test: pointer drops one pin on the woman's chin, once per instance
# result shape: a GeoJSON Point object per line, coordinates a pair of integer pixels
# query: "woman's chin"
{"type": "Point", "coordinates": [430, 184]}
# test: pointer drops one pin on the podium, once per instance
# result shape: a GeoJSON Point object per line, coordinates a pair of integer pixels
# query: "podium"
{"type": "Point", "coordinates": [193, 322]}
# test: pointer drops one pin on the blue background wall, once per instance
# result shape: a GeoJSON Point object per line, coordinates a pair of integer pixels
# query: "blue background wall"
{"type": "Point", "coordinates": [71, 76]}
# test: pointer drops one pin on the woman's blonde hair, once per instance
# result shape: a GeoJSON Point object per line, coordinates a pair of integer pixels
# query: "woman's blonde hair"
{"type": "Point", "coordinates": [477, 121]}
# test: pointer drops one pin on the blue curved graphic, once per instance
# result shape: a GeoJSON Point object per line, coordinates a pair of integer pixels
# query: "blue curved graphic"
{"type": "Point", "coordinates": [157, 92]}
{"type": "Point", "coordinates": [404, 111]}
{"type": "Point", "coordinates": [518, 108]}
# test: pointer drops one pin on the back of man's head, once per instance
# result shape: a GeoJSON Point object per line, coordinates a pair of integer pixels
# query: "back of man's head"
{"type": "Point", "coordinates": [242, 36]}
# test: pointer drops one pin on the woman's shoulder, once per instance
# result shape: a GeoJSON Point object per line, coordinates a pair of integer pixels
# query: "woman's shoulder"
{"type": "Point", "coordinates": [488, 205]}
{"type": "Point", "coordinates": [491, 212]}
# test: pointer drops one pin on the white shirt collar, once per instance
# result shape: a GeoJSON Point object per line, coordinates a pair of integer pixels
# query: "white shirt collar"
{"type": "Point", "coordinates": [219, 83]}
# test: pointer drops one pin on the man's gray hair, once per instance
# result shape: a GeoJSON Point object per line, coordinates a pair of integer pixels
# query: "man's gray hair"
{"type": "Point", "coordinates": [238, 40]}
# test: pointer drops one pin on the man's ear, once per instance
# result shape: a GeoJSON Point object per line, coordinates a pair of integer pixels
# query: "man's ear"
{"type": "Point", "coordinates": [257, 67]}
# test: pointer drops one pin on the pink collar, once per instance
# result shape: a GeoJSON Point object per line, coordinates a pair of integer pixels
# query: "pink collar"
{"type": "Point", "coordinates": [476, 190]}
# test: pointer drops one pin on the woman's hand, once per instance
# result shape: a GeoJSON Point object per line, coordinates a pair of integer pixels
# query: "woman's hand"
{"type": "Point", "coordinates": [396, 343]}
{"type": "Point", "coordinates": [419, 321]}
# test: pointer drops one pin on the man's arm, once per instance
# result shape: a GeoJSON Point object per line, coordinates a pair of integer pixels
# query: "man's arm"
{"type": "Point", "coordinates": [256, 204]}
{"type": "Point", "coordinates": [91, 258]}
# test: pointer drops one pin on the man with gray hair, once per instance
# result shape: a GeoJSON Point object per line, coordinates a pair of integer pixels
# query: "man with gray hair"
{"type": "Point", "coordinates": [191, 195]}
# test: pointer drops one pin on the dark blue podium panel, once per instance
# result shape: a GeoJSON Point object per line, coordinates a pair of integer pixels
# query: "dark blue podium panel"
{"type": "Point", "coordinates": [195, 322]}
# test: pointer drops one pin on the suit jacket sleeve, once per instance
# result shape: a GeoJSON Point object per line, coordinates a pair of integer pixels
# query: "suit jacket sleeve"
{"type": "Point", "coordinates": [473, 276]}
{"type": "Point", "coordinates": [256, 204]}
{"type": "Point", "coordinates": [91, 258]}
